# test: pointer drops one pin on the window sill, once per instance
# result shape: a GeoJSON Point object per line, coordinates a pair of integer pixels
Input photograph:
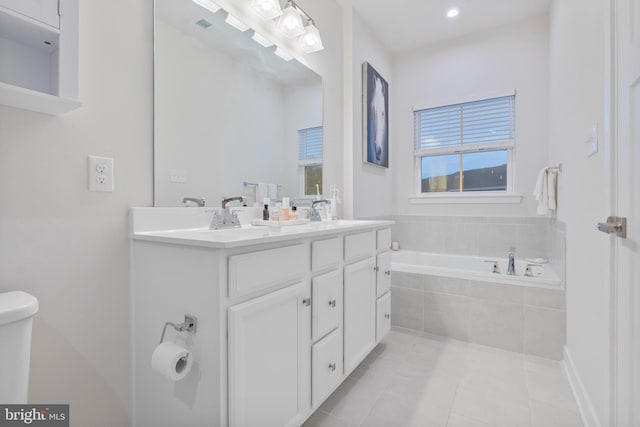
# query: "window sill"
{"type": "Point", "coordinates": [462, 198]}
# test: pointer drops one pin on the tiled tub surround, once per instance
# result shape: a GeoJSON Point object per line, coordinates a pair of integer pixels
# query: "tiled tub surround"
{"type": "Point", "coordinates": [523, 319]}
{"type": "Point", "coordinates": [477, 236]}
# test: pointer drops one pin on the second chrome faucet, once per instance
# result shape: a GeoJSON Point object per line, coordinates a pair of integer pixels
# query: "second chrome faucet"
{"type": "Point", "coordinates": [511, 266]}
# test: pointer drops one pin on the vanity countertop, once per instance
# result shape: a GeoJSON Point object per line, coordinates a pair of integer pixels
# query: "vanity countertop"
{"type": "Point", "coordinates": [236, 237]}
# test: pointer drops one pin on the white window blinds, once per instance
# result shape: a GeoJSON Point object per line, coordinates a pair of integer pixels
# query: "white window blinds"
{"type": "Point", "coordinates": [310, 144]}
{"type": "Point", "coordinates": [469, 126]}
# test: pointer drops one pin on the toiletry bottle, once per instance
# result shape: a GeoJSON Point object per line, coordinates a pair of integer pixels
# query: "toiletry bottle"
{"type": "Point", "coordinates": [274, 213]}
{"type": "Point", "coordinates": [293, 215]}
{"type": "Point", "coordinates": [285, 212]}
{"type": "Point", "coordinates": [265, 213]}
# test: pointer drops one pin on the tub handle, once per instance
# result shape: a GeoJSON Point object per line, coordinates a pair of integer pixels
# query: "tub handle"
{"type": "Point", "coordinates": [529, 271]}
{"type": "Point", "coordinates": [495, 266]}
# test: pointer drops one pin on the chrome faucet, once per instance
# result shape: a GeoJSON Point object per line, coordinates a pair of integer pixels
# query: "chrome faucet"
{"type": "Point", "coordinates": [315, 215]}
{"type": "Point", "coordinates": [226, 218]}
{"type": "Point", "coordinates": [199, 201]}
{"type": "Point", "coordinates": [511, 266]}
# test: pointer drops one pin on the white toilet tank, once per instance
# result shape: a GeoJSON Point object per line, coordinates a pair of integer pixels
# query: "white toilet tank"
{"type": "Point", "coordinates": [16, 314]}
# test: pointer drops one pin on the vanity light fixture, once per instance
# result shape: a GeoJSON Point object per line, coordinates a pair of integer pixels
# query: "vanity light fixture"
{"type": "Point", "coordinates": [208, 4]}
{"type": "Point", "coordinates": [282, 54]}
{"type": "Point", "coordinates": [236, 23]}
{"type": "Point", "coordinates": [453, 12]}
{"type": "Point", "coordinates": [290, 22]}
{"type": "Point", "coordinates": [310, 40]}
{"type": "Point", "coordinates": [262, 40]}
{"type": "Point", "coordinates": [267, 9]}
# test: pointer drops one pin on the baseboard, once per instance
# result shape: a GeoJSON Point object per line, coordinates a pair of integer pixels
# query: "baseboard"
{"type": "Point", "coordinates": [587, 411]}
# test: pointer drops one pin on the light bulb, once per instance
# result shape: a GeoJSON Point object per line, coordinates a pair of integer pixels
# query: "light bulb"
{"type": "Point", "coordinates": [453, 12]}
{"type": "Point", "coordinates": [267, 9]}
{"type": "Point", "coordinates": [290, 22]}
{"type": "Point", "coordinates": [310, 41]}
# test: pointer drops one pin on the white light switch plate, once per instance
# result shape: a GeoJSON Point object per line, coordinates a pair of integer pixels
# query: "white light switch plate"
{"type": "Point", "coordinates": [100, 174]}
{"type": "Point", "coordinates": [178, 175]}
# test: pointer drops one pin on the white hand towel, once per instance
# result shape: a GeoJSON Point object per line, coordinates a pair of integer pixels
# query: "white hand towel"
{"type": "Point", "coordinates": [552, 183]}
{"type": "Point", "coordinates": [273, 192]}
{"type": "Point", "coordinates": [263, 191]}
{"type": "Point", "coordinates": [541, 192]}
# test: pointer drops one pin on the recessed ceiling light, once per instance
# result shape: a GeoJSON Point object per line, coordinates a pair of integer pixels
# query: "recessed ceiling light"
{"type": "Point", "coordinates": [453, 12]}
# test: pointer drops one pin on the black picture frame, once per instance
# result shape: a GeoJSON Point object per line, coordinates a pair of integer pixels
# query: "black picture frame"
{"type": "Point", "coordinates": [375, 112]}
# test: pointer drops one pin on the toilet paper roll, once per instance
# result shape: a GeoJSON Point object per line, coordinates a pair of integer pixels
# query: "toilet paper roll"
{"type": "Point", "coordinates": [171, 360]}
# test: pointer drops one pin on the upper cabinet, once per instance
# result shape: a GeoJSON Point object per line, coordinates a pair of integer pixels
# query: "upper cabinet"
{"type": "Point", "coordinates": [39, 55]}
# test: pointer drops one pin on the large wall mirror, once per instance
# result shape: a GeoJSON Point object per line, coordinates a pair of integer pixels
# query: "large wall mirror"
{"type": "Point", "coordinates": [230, 117]}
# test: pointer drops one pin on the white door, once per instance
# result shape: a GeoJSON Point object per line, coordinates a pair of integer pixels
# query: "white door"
{"type": "Point", "coordinates": [269, 359]}
{"type": "Point", "coordinates": [625, 253]}
{"type": "Point", "coordinates": [41, 10]}
{"type": "Point", "coordinates": [359, 312]}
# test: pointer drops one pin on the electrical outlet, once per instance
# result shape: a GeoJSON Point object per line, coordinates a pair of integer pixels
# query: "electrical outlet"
{"type": "Point", "coordinates": [100, 175]}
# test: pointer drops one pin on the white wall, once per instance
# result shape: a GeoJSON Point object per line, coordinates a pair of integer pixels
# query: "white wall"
{"type": "Point", "coordinates": [367, 189]}
{"type": "Point", "coordinates": [479, 66]}
{"type": "Point", "coordinates": [576, 104]}
{"type": "Point", "coordinates": [69, 247]}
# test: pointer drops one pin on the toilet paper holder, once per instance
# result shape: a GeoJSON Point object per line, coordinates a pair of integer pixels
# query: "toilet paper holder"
{"type": "Point", "coordinates": [189, 325]}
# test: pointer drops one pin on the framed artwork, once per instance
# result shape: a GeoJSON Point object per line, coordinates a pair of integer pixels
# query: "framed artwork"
{"type": "Point", "coordinates": [375, 109]}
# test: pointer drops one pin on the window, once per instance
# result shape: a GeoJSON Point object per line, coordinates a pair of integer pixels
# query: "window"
{"type": "Point", "coordinates": [465, 147]}
{"type": "Point", "coordinates": [310, 160]}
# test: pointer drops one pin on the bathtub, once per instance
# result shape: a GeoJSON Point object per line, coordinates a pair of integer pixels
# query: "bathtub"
{"type": "Point", "coordinates": [473, 268]}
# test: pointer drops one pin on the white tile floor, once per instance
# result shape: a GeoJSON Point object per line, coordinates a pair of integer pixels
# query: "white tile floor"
{"type": "Point", "coordinates": [411, 380]}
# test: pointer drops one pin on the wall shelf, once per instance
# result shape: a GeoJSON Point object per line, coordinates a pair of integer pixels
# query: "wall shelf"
{"type": "Point", "coordinates": [27, 99]}
{"type": "Point", "coordinates": [39, 60]}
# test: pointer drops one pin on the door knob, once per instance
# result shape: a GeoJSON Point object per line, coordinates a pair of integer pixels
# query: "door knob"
{"type": "Point", "coordinates": [614, 225]}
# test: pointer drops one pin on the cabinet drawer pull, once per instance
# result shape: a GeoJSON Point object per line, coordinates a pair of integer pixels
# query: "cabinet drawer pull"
{"type": "Point", "coordinates": [387, 316]}
{"type": "Point", "coordinates": [332, 367]}
{"type": "Point", "coordinates": [306, 302]}
{"type": "Point", "coordinates": [332, 303]}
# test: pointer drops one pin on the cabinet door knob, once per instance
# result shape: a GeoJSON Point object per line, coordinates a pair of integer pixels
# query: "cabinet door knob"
{"type": "Point", "coordinates": [332, 367]}
{"type": "Point", "coordinates": [376, 268]}
{"type": "Point", "coordinates": [306, 302]}
{"type": "Point", "coordinates": [387, 272]}
{"type": "Point", "coordinates": [387, 316]}
{"type": "Point", "coordinates": [332, 303]}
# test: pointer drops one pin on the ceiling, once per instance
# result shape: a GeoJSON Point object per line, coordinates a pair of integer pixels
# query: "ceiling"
{"type": "Point", "coordinates": [403, 25]}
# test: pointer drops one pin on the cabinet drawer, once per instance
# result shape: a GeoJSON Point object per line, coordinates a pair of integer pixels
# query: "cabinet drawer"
{"type": "Point", "coordinates": [383, 316]}
{"type": "Point", "coordinates": [326, 357]}
{"type": "Point", "coordinates": [358, 246]}
{"type": "Point", "coordinates": [383, 280]}
{"type": "Point", "coordinates": [384, 239]}
{"type": "Point", "coordinates": [266, 269]}
{"type": "Point", "coordinates": [326, 303]}
{"type": "Point", "coordinates": [325, 254]}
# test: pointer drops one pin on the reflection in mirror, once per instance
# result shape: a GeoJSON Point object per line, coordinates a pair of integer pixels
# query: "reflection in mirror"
{"type": "Point", "coordinates": [230, 117]}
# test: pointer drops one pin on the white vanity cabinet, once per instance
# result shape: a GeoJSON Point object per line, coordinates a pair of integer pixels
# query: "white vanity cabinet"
{"type": "Point", "coordinates": [280, 323]}
{"type": "Point", "coordinates": [269, 337]}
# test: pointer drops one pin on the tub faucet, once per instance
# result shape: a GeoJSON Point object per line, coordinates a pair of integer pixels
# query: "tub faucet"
{"type": "Point", "coordinates": [226, 219]}
{"type": "Point", "coordinates": [315, 215]}
{"type": "Point", "coordinates": [511, 266]}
